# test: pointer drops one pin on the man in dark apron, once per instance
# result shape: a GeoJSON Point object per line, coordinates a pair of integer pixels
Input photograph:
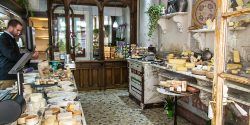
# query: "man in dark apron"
{"type": "Point", "coordinates": [9, 51]}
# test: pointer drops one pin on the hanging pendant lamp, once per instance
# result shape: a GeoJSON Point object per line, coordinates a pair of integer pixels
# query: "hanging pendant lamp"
{"type": "Point", "coordinates": [115, 24]}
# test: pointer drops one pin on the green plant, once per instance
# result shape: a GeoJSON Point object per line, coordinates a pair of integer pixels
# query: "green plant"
{"type": "Point", "coordinates": [169, 106]}
{"type": "Point", "coordinates": [26, 5]}
{"type": "Point", "coordinates": [154, 13]}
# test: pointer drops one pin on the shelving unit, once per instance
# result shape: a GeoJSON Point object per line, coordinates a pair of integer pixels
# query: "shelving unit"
{"type": "Point", "coordinates": [41, 35]}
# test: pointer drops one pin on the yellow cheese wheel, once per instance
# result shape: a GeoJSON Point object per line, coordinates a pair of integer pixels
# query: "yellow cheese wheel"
{"type": "Point", "coordinates": [181, 68]}
{"type": "Point", "coordinates": [233, 66]}
{"type": "Point", "coordinates": [22, 118]}
{"type": "Point", "coordinates": [190, 65]}
{"type": "Point", "coordinates": [177, 61]}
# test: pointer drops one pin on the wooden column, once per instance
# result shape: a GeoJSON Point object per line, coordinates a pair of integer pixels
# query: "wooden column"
{"type": "Point", "coordinates": [73, 57]}
{"type": "Point", "coordinates": [50, 19]}
{"type": "Point", "coordinates": [100, 5]}
{"type": "Point", "coordinates": [67, 21]}
{"type": "Point", "coordinates": [113, 36]}
{"type": "Point", "coordinates": [133, 21]}
{"type": "Point", "coordinates": [219, 65]}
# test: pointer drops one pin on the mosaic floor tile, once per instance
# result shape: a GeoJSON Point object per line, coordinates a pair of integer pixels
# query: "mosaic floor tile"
{"type": "Point", "coordinates": [114, 107]}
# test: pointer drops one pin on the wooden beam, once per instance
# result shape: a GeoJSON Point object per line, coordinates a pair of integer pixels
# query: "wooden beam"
{"type": "Point", "coordinates": [133, 22]}
{"type": "Point", "coordinates": [100, 5]}
{"type": "Point", "coordinates": [219, 66]}
{"type": "Point", "coordinates": [13, 6]}
{"type": "Point", "coordinates": [67, 21]}
{"type": "Point", "coordinates": [236, 13]}
{"type": "Point", "coordinates": [108, 3]}
{"type": "Point", "coordinates": [50, 19]}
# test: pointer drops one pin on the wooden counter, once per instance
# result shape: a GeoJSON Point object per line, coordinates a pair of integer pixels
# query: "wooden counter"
{"type": "Point", "coordinates": [99, 75]}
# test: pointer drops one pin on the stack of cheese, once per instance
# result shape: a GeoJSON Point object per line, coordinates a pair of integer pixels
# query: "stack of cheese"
{"type": "Point", "coordinates": [181, 64]}
{"type": "Point", "coordinates": [71, 115]}
{"type": "Point", "coordinates": [235, 67]}
{"type": "Point", "coordinates": [35, 103]}
{"type": "Point", "coordinates": [174, 85]}
{"type": "Point", "coordinates": [26, 119]}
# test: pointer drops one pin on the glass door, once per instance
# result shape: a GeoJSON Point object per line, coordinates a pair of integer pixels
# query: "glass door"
{"type": "Point", "coordinates": [78, 35]}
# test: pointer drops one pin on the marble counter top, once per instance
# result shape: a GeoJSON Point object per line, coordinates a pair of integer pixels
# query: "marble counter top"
{"type": "Point", "coordinates": [140, 61]}
{"type": "Point", "coordinates": [184, 73]}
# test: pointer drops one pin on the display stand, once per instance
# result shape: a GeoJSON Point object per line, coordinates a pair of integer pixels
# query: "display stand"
{"type": "Point", "coordinates": [176, 95]}
{"type": "Point", "coordinates": [18, 69]}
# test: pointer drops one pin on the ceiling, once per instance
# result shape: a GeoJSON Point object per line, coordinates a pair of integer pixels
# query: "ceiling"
{"type": "Point", "coordinates": [114, 3]}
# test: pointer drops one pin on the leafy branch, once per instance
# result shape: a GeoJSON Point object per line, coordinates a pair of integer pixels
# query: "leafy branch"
{"type": "Point", "coordinates": [26, 5]}
{"type": "Point", "coordinates": [154, 13]}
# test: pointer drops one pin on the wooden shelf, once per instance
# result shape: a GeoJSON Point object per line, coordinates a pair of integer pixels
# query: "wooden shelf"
{"type": "Point", "coordinates": [206, 89]}
{"type": "Point", "coordinates": [38, 18]}
{"type": "Point", "coordinates": [42, 37]}
{"type": "Point", "coordinates": [167, 16]}
{"type": "Point", "coordinates": [41, 28]}
{"type": "Point", "coordinates": [235, 78]}
{"type": "Point", "coordinates": [238, 86]}
{"type": "Point", "coordinates": [202, 30]}
{"type": "Point", "coordinates": [212, 30]}
{"type": "Point", "coordinates": [203, 78]}
{"type": "Point", "coordinates": [236, 28]}
{"type": "Point", "coordinates": [236, 13]}
{"type": "Point", "coordinates": [240, 97]}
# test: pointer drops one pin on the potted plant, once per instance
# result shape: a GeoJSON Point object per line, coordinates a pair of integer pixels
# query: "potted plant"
{"type": "Point", "coordinates": [154, 13]}
{"type": "Point", "coordinates": [169, 106]}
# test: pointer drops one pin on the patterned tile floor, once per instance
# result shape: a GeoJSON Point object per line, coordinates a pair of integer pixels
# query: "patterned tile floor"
{"type": "Point", "coordinates": [114, 107]}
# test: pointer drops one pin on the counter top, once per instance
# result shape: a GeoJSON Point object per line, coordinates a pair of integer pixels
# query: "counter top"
{"type": "Point", "coordinates": [31, 80]}
{"type": "Point", "coordinates": [100, 61]}
{"type": "Point", "coordinates": [140, 61]}
{"type": "Point", "coordinates": [184, 73]}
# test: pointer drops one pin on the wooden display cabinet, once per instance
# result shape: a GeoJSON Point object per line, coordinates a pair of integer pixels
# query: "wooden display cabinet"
{"type": "Point", "coordinates": [41, 35]}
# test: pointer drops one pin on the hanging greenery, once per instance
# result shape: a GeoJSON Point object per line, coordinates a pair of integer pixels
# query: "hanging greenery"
{"type": "Point", "coordinates": [154, 13]}
{"type": "Point", "coordinates": [26, 5]}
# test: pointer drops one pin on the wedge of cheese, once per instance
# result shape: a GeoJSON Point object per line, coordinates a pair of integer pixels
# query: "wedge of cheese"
{"type": "Point", "coordinates": [233, 66]}
{"type": "Point", "coordinates": [236, 55]}
{"type": "Point", "coordinates": [190, 65]}
{"type": "Point", "coordinates": [181, 68]}
{"type": "Point", "coordinates": [235, 72]}
{"type": "Point", "coordinates": [177, 61]}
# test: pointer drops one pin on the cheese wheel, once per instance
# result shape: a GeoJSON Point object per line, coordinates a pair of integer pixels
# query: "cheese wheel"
{"type": "Point", "coordinates": [177, 61]}
{"type": "Point", "coordinates": [36, 97]}
{"type": "Point", "coordinates": [28, 90]}
{"type": "Point", "coordinates": [233, 66]}
{"type": "Point", "coordinates": [190, 65]}
{"type": "Point", "coordinates": [65, 115]}
{"type": "Point", "coordinates": [31, 120]}
{"type": "Point", "coordinates": [181, 68]}
{"type": "Point", "coordinates": [77, 112]}
{"type": "Point", "coordinates": [27, 86]}
{"type": "Point", "coordinates": [55, 110]}
{"type": "Point", "coordinates": [21, 119]}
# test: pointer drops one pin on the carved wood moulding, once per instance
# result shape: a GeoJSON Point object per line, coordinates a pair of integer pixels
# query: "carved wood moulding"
{"type": "Point", "coordinates": [111, 3]}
